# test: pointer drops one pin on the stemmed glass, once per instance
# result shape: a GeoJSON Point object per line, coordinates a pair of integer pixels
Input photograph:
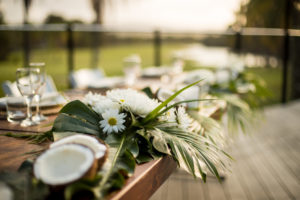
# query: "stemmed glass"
{"type": "Point", "coordinates": [38, 117]}
{"type": "Point", "coordinates": [28, 82]}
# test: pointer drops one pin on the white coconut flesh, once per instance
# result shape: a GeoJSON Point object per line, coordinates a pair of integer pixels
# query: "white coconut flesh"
{"type": "Point", "coordinates": [98, 148]}
{"type": "Point", "coordinates": [63, 164]}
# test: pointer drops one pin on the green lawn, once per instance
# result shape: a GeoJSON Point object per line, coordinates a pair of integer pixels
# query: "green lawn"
{"type": "Point", "coordinates": [111, 61]}
{"type": "Point", "coordinates": [272, 78]}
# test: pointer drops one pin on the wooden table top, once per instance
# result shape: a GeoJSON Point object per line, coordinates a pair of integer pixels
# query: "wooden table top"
{"type": "Point", "coordinates": [146, 179]}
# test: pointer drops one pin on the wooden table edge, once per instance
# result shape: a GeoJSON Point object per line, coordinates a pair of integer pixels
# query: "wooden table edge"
{"type": "Point", "coordinates": [148, 181]}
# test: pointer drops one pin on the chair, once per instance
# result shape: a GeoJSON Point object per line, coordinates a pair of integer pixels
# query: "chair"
{"type": "Point", "coordinates": [10, 88]}
{"type": "Point", "coordinates": [85, 77]}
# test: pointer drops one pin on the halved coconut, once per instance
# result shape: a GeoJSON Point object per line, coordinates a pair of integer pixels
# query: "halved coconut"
{"type": "Point", "coordinates": [99, 149]}
{"type": "Point", "coordinates": [164, 94]}
{"type": "Point", "coordinates": [65, 164]}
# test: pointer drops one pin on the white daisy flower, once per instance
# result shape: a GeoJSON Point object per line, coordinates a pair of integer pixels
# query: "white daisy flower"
{"type": "Point", "coordinates": [133, 101]}
{"type": "Point", "coordinates": [183, 119]}
{"type": "Point", "coordinates": [112, 121]}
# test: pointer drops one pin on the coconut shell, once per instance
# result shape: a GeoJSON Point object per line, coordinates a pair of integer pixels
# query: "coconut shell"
{"type": "Point", "coordinates": [90, 173]}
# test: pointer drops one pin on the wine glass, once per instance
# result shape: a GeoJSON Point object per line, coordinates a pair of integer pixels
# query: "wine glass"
{"type": "Point", "coordinates": [28, 82]}
{"type": "Point", "coordinates": [38, 117]}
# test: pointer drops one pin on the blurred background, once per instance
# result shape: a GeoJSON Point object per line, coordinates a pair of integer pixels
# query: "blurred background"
{"type": "Point", "coordinates": [67, 35]}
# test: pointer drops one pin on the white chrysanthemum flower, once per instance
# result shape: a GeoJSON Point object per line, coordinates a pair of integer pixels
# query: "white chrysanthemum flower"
{"type": "Point", "coordinates": [100, 103]}
{"type": "Point", "coordinates": [92, 99]}
{"type": "Point", "coordinates": [183, 119]}
{"type": "Point", "coordinates": [169, 116]}
{"type": "Point", "coordinates": [113, 121]}
{"type": "Point", "coordinates": [106, 104]}
{"type": "Point", "coordinates": [133, 101]}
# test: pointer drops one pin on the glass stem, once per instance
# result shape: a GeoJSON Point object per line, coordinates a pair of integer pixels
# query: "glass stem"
{"type": "Point", "coordinates": [28, 102]}
{"type": "Point", "coordinates": [38, 99]}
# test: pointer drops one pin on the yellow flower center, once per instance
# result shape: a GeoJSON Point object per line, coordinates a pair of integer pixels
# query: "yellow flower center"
{"type": "Point", "coordinates": [122, 100]}
{"type": "Point", "coordinates": [112, 121]}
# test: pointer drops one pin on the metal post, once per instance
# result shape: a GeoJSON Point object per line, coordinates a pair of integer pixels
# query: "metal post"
{"type": "Point", "coordinates": [157, 48]}
{"type": "Point", "coordinates": [95, 49]}
{"type": "Point", "coordinates": [70, 48]}
{"type": "Point", "coordinates": [26, 48]}
{"type": "Point", "coordinates": [238, 42]}
{"type": "Point", "coordinates": [286, 51]}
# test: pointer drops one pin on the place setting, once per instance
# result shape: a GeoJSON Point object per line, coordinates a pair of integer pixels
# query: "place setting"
{"type": "Point", "coordinates": [32, 98]}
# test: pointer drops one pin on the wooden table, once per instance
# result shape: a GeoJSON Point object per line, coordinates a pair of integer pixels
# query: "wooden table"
{"type": "Point", "coordinates": [146, 179]}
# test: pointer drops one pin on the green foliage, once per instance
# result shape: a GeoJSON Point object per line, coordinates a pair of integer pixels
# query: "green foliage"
{"type": "Point", "coordinates": [198, 150]}
{"type": "Point", "coordinates": [23, 185]}
{"type": "Point", "coordinates": [156, 112]}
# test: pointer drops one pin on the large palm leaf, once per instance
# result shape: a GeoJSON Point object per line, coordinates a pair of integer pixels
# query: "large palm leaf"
{"type": "Point", "coordinates": [193, 152]}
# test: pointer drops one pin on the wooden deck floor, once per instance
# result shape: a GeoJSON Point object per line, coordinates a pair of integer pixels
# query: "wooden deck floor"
{"type": "Point", "coordinates": [266, 166]}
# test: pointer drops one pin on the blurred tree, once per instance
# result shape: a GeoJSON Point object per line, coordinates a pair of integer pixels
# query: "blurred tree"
{"type": "Point", "coordinates": [26, 38]}
{"type": "Point", "coordinates": [57, 19]}
{"type": "Point", "coordinates": [97, 6]}
{"type": "Point", "coordinates": [4, 41]}
{"type": "Point", "coordinates": [268, 14]}
{"type": "Point", "coordinates": [54, 19]}
{"type": "Point", "coordinates": [27, 4]}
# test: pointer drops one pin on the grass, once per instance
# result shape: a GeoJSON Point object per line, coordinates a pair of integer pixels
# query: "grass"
{"type": "Point", "coordinates": [273, 80]}
{"type": "Point", "coordinates": [111, 61]}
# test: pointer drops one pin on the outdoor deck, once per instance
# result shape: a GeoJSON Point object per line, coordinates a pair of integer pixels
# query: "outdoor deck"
{"type": "Point", "coordinates": [267, 164]}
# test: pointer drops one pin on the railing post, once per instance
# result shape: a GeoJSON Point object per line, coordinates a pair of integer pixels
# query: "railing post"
{"type": "Point", "coordinates": [26, 47]}
{"type": "Point", "coordinates": [285, 58]}
{"type": "Point", "coordinates": [157, 48]}
{"type": "Point", "coordinates": [70, 49]}
{"type": "Point", "coordinates": [238, 42]}
{"type": "Point", "coordinates": [286, 52]}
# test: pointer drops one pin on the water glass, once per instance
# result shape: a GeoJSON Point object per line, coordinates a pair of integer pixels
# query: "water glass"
{"type": "Point", "coordinates": [15, 109]}
{"type": "Point", "coordinates": [131, 67]}
{"type": "Point", "coordinates": [38, 117]}
{"type": "Point", "coordinates": [28, 82]}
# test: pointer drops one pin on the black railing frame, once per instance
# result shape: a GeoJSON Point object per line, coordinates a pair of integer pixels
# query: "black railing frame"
{"type": "Point", "coordinates": [157, 41]}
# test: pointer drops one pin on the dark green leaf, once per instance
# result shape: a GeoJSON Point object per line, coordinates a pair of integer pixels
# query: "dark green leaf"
{"type": "Point", "coordinates": [64, 122]}
{"type": "Point", "coordinates": [148, 92]}
{"type": "Point", "coordinates": [143, 157]}
{"type": "Point", "coordinates": [134, 149]}
{"type": "Point", "coordinates": [126, 163]}
{"type": "Point", "coordinates": [82, 111]}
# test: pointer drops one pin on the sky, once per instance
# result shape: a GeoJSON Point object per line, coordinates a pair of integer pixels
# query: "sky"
{"type": "Point", "coordinates": [188, 15]}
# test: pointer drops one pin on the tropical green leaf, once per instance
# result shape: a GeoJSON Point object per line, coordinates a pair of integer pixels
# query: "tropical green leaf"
{"type": "Point", "coordinates": [126, 163]}
{"type": "Point", "coordinates": [119, 159]}
{"type": "Point", "coordinates": [240, 115]}
{"type": "Point", "coordinates": [81, 111]}
{"type": "Point", "coordinates": [134, 148]}
{"type": "Point", "coordinates": [193, 152]}
{"type": "Point", "coordinates": [181, 102]}
{"type": "Point", "coordinates": [148, 92]}
{"type": "Point", "coordinates": [65, 122]}
{"type": "Point", "coordinates": [142, 158]}
{"type": "Point", "coordinates": [155, 112]}
{"type": "Point", "coordinates": [33, 138]}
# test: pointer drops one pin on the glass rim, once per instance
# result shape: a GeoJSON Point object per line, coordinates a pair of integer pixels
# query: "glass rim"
{"type": "Point", "coordinates": [28, 69]}
{"type": "Point", "coordinates": [36, 64]}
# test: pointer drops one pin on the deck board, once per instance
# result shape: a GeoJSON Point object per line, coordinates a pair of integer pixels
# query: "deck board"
{"type": "Point", "coordinates": [267, 164]}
